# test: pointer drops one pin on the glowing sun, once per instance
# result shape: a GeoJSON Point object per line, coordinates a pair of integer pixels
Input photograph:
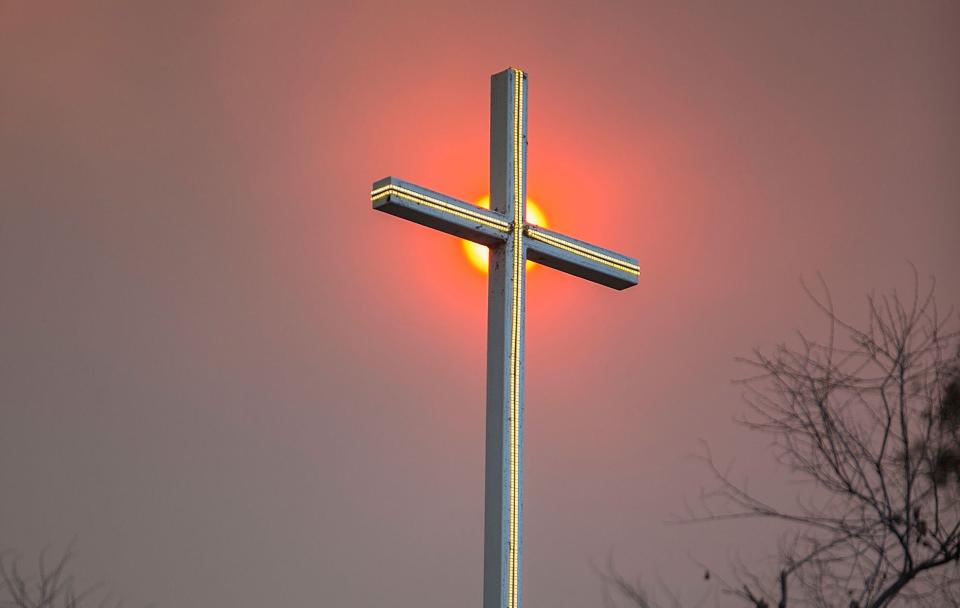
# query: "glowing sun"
{"type": "Point", "coordinates": [478, 254]}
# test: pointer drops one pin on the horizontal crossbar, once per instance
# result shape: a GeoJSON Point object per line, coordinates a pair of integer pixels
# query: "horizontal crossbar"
{"type": "Point", "coordinates": [490, 228]}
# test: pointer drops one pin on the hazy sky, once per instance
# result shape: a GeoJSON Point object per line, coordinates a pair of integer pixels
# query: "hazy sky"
{"type": "Point", "coordinates": [237, 385]}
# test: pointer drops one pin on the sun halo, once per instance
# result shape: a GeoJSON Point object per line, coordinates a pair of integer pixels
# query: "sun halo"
{"type": "Point", "coordinates": [477, 254]}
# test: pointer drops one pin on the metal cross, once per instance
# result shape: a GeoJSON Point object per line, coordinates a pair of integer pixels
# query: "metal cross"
{"type": "Point", "coordinates": [512, 241]}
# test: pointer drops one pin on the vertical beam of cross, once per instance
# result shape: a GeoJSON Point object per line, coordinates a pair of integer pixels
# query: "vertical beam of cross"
{"type": "Point", "coordinates": [503, 228]}
{"type": "Point", "coordinates": [505, 324]}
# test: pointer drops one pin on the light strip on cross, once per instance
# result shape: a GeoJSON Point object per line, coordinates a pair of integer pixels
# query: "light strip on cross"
{"type": "Point", "coordinates": [438, 204]}
{"type": "Point", "coordinates": [595, 256]}
{"type": "Point", "coordinates": [518, 277]}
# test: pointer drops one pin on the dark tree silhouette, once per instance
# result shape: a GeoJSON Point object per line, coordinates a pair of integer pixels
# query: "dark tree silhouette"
{"type": "Point", "coordinates": [870, 416]}
{"type": "Point", "coordinates": [51, 586]}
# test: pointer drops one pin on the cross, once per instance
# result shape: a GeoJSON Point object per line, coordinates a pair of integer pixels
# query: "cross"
{"type": "Point", "coordinates": [511, 240]}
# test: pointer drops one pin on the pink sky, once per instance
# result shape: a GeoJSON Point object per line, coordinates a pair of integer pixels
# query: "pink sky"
{"type": "Point", "coordinates": [237, 385]}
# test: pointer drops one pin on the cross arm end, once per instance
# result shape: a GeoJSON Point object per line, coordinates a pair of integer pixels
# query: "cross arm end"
{"type": "Point", "coordinates": [581, 259]}
{"type": "Point", "coordinates": [438, 211]}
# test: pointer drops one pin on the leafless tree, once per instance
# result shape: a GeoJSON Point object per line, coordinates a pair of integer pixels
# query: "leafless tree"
{"type": "Point", "coordinates": [870, 417]}
{"type": "Point", "coordinates": [50, 586]}
{"type": "Point", "coordinates": [616, 585]}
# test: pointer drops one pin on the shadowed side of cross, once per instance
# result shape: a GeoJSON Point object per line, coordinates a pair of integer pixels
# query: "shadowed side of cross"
{"type": "Point", "coordinates": [503, 228]}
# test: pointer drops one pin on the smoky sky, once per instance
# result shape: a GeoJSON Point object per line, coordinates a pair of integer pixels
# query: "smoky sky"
{"type": "Point", "coordinates": [236, 385]}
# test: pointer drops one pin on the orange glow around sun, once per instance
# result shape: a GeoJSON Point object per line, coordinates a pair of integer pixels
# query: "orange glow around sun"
{"type": "Point", "coordinates": [477, 254]}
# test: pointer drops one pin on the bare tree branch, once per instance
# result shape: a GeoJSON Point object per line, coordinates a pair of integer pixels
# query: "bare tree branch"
{"type": "Point", "coordinates": [870, 417]}
{"type": "Point", "coordinates": [50, 587]}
